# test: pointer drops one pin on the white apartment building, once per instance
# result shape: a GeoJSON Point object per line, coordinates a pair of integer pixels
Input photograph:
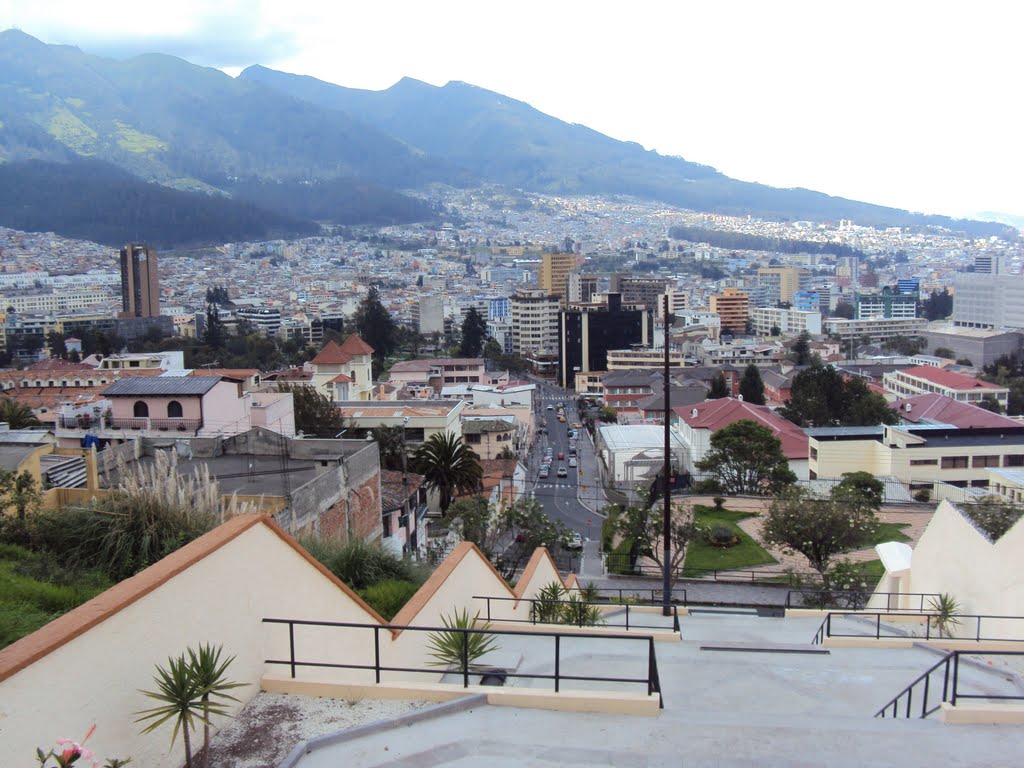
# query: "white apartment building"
{"type": "Point", "coordinates": [47, 301]}
{"type": "Point", "coordinates": [534, 322]}
{"type": "Point", "coordinates": [875, 329]}
{"type": "Point", "coordinates": [988, 301]}
{"type": "Point", "coordinates": [788, 321]}
{"type": "Point", "coordinates": [924, 379]}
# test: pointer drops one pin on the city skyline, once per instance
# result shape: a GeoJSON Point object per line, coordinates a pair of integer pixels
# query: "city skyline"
{"type": "Point", "coordinates": [902, 106]}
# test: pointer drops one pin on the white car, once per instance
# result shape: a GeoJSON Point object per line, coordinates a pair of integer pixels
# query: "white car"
{"type": "Point", "coordinates": [563, 472]}
{"type": "Point", "coordinates": [573, 462]}
{"type": "Point", "coordinates": [575, 541]}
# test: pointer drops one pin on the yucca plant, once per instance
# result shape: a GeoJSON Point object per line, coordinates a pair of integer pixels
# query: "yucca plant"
{"type": "Point", "coordinates": [947, 612]}
{"type": "Point", "coordinates": [458, 650]}
{"type": "Point", "coordinates": [577, 610]}
{"type": "Point", "coordinates": [210, 674]}
{"type": "Point", "coordinates": [180, 700]}
{"type": "Point", "coordinates": [547, 606]}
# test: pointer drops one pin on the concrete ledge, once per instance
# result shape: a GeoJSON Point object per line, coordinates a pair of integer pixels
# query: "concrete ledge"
{"type": "Point", "coordinates": [612, 702]}
{"type": "Point", "coordinates": [945, 644]}
{"type": "Point", "coordinates": [981, 713]}
{"type": "Point", "coordinates": [753, 647]}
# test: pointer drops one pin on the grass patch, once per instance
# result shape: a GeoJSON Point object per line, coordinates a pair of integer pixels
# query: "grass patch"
{"type": "Point", "coordinates": [704, 557]}
{"type": "Point", "coordinates": [28, 602]}
{"type": "Point", "coordinates": [885, 532]}
{"type": "Point", "coordinates": [872, 571]}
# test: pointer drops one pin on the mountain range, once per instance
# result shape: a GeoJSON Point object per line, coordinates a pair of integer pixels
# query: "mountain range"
{"type": "Point", "coordinates": [288, 149]}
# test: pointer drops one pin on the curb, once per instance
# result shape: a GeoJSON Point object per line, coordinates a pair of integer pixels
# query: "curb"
{"type": "Point", "coordinates": [369, 729]}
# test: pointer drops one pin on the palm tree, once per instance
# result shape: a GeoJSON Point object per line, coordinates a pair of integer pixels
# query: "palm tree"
{"type": "Point", "coordinates": [448, 466]}
{"type": "Point", "coordinates": [389, 441]}
{"type": "Point", "coordinates": [209, 673]}
{"type": "Point", "coordinates": [17, 415]}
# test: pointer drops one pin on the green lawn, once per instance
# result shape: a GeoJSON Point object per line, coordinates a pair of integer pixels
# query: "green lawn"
{"type": "Point", "coordinates": [701, 556]}
{"type": "Point", "coordinates": [27, 603]}
{"type": "Point", "coordinates": [886, 532]}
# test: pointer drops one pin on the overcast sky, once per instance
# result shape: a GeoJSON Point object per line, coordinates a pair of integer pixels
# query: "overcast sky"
{"type": "Point", "coordinates": [911, 104]}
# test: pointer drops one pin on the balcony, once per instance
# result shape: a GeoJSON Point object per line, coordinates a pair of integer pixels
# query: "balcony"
{"type": "Point", "coordinates": [111, 427]}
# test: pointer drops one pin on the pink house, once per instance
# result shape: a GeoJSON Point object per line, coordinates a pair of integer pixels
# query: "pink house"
{"type": "Point", "coordinates": [196, 405]}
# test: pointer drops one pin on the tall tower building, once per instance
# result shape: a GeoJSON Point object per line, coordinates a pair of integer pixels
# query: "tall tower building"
{"type": "Point", "coordinates": [140, 283]}
{"type": "Point", "coordinates": [553, 275]}
{"type": "Point", "coordinates": [732, 306]}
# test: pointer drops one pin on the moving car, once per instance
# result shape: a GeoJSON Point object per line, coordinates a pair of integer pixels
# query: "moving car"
{"type": "Point", "coordinates": [573, 462]}
{"type": "Point", "coordinates": [563, 472]}
{"type": "Point", "coordinates": [561, 455]}
{"type": "Point", "coordinates": [544, 473]}
{"type": "Point", "coordinates": [575, 541]}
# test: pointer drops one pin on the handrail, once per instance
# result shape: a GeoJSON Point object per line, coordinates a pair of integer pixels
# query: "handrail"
{"type": "Point", "coordinates": [854, 594]}
{"type": "Point", "coordinates": [534, 613]}
{"type": "Point", "coordinates": [950, 666]}
{"type": "Point", "coordinates": [825, 630]}
{"type": "Point", "coordinates": [622, 560]}
{"type": "Point", "coordinates": [621, 594]}
{"type": "Point", "coordinates": [465, 668]}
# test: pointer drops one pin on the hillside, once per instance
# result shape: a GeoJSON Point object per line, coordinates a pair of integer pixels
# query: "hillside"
{"type": "Point", "coordinates": [508, 141]}
{"type": "Point", "coordinates": [93, 200]}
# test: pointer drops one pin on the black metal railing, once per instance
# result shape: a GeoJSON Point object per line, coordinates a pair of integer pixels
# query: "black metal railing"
{"type": "Point", "coordinates": [465, 669]}
{"type": "Point", "coordinates": [621, 564]}
{"type": "Point", "coordinates": [855, 599]}
{"type": "Point", "coordinates": [903, 704]}
{"type": "Point", "coordinates": [936, 626]}
{"type": "Point", "coordinates": [136, 423]}
{"type": "Point", "coordinates": [572, 612]}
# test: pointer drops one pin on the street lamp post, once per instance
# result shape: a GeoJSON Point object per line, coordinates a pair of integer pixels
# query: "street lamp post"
{"type": "Point", "coordinates": [666, 531]}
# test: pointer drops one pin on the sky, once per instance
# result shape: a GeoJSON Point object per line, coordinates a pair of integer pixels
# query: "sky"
{"type": "Point", "coordinates": [905, 103]}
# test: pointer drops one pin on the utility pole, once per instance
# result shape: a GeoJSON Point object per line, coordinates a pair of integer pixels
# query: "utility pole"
{"type": "Point", "coordinates": [666, 533]}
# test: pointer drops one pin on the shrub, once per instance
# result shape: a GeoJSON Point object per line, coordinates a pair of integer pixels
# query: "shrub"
{"type": "Point", "coordinates": [358, 563]}
{"type": "Point", "coordinates": [719, 502]}
{"type": "Point", "coordinates": [576, 610]}
{"type": "Point", "coordinates": [547, 607]}
{"type": "Point", "coordinates": [923, 495]}
{"type": "Point", "coordinates": [388, 597]}
{"type": "Point", "coordinates": [721, 536]}
{"type": "Point", "coordinates": [708, 486]}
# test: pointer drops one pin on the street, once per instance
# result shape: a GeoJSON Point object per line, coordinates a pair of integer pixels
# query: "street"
{"type": "Point", "coordinates": [561, 496]}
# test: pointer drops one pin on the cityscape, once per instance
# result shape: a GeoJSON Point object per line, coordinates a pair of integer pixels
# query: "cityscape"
{"type": "Point", "coordinates": [472, 470]}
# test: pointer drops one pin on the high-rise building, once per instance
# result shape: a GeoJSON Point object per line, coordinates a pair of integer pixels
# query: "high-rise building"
{"type": "Point", "coordinates": [886, 304]}
{"type": "Point", "coordinates": [637, 289]}
{"type": "Point", "coordinates": [988, 301]}
{"type": "Point", "coordinates": [553, 275]}
{"type": "Point", "coordinates": [987, 264]}
{"type": "Point", "coordinates": [782, 283]}
{"type": "Point", "coordinates": [581, 288]}
{"type": "Point", "coordinates": [428, 314]}
{"type": "Point", "coordinates": [534, 323]}
{"type": "Point", "coordinates": [587, 333]}
{"type": "Point", "coordinates": [140, 283]}
{"type": "Point", "coordinates": [732, 306]}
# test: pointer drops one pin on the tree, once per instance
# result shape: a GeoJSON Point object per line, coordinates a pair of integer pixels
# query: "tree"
{"type": "Point", "coordinates": [645, 528]}
{"type": "Point", "coordinates": [507, 535]}
{"type": "Point", "coordinates": [859, 489]}
{"type": "Point", "coordinates": [375, 326]}
{"type": "Point", "coordinates": [211, 675]}
{"type": "Point", "coordinates": [843, 309]}
{"type": "Point", "coordinates": [719, 388]}
{"type": "Point", "coordinates": [905, 345]}
{"type": "Point", "coordinates": [213, 335]}
{"type": "Point", "coordinates": [448, 466]}
{"type": "Point", "coordinates": [17, 415]}
{"type": "Point", "coordinates": [819, 529]}
{"type": "Point", "coordinates": [752, 386]}
{"type": "Point", "coordinates": [608, 415]}
{"type": "Point", "coordinates": [989, 403]}
{"type": "Point", "coordinates": [315, 414]}
{"type": "Point", "coordinates": [391, 446]}
{"type": "Point", "coordinates": [820, 396]}
{"type": "Point", "coordinates": [746, 458]}
{"type": "Point", "coordinates": [944, 352]}
{"type": "Point", "coordinates": [493, 350]}
{"type": "Point", "coordinates": [18, 491]}
{"type": "Point", "coordinates": [938, 305]}
{"type": "Point", "coordinates": [474, 333]}
{"type": "Point", "coordinates": [802, 349]}
{"type": "Point", "coordinates": [775, 331]}
{"type": "Point", "coordinates": [55, 341]}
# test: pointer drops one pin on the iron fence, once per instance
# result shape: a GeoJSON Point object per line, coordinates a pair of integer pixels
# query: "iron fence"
{"type": "Point", "coordinates": [293, 662]}
{"type": "Point", "coordinates": [855, 599]}
{"type": "Point", "coordinates": [572, 612]}
{"type": "Point", "coordinates": [937, 626]}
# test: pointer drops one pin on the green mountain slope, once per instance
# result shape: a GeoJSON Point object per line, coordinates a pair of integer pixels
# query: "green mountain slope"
{"type": "Point", "coordinates": [504, 140]}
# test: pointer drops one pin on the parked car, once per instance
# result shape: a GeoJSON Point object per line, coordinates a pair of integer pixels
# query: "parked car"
{"type": "Point", "coordinates": [544, 473]}
{"type": "Point", "coordinates": [551, 407]}
{"type": "Point", "coordinates": [575, 541]}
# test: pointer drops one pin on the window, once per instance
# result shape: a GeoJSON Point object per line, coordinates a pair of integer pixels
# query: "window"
{"type": "Point", "coordinates": [1014, 460]}
{"type": "Point", "coordinates": [985, 461]}
{"type": "Point", "coordinates": [141, 410]}
{"type": "Point", "coordinates": [923, 462]}
{"type": "Point", "coordinates": [954, 462]}
{"type": "Point", "coordinates": [174, 410]}
{"type": "Point", "coordinates": [814, 453]}
{"type": "Point", "coordinates": [473, 439]}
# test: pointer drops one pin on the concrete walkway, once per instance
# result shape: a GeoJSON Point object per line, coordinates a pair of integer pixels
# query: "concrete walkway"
{"type": "Point", "coordinates": [721, 709]}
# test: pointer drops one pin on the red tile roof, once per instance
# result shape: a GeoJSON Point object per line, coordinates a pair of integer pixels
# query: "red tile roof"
{"type": "Point", "coordinates": [935, 407]}
{"type": "Point", "coordinates": [354, 345]}
{"type": "Point", "coordinates": [950, 379]}
{"type": "Point", "coordinates": [341, 378]}
{"type": "Point", "coordinates": [332, 354]}
{"type": "Point", "coordinates": [713, 415]}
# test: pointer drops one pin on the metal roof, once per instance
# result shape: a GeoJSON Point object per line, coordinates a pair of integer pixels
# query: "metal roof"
{"type": "Point", "coordinates": [163, 385]}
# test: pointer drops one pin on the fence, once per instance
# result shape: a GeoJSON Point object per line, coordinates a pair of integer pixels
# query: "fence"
{"type": "Point", "coordinates": [937, 626]}
{"type": "Point", "coordinates": [621, 564]}
{"type": "Point", "coordinates": [465, 667]}
{"type": "Point", "coordinates": [902, 705]}
{"type": "Point", "coordinates": [574, 612]}
{"type": "Point", "coordinates": [857, 599]}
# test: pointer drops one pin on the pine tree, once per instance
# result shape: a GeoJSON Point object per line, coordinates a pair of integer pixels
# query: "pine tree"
{"type": "Point", "coordinates": [719, 388]}
{"type": "Point", "coordinates": [474, 333]}
{"type": "Point", "coordinates": [752, 386]}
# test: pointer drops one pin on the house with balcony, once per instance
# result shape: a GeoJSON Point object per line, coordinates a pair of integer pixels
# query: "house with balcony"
{"type": "Point", "coordinates": [489, 437]}
{"type": "Point", "coordinates": [421, 418]}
